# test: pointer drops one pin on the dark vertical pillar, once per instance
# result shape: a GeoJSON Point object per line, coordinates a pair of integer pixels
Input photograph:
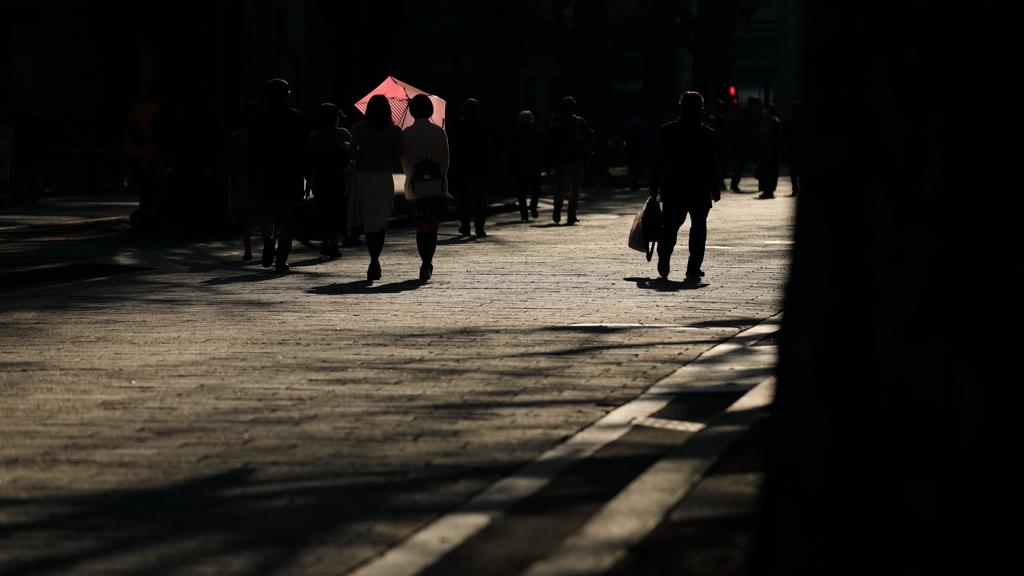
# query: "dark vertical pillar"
{"type": "Point", "coordinates": [893, 437]}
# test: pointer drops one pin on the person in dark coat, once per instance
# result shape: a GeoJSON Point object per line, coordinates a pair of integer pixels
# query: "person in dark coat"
{"type": "Point", "coordinates": [328, 147]}
{"type": "Point", "coordinates": [278, 166]}
{"type": "Point", "coordinates": [722, 124]}
{"type": "Point", "coordinates": [569, 149]}
{"type": "Point", "coordinates": [686, 175]}
{"type": "Point", "coordinates": [768, 143]}
{"type": "Point", "coordinates": [476, 144]}
{"type": "Point", "coordinates": [794, 137]}
{"type": "Point", "coordinates": [526, 157]}
{"type": "Point", "coordinates": [747, 127]}
{"type": "Point", "coordinates": [635, 135]}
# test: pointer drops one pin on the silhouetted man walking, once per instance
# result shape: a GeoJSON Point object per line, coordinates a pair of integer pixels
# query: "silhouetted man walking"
{"type": "Point", "coordinates": [686, 173]}
{"type": "Point", "coordinates": [278, 165]}
{"type": "Point", "coordinates": [794, 139]}
{"type": "Point", "coordinates": [747, 128]}
{"type": "Point", "coordinates": [144, 137]}
{"type": "Point", "coordinates": [474, 144]}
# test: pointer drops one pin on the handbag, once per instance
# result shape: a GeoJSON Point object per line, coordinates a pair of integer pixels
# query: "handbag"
{"type": "Point", "coordinates": [646, 229]}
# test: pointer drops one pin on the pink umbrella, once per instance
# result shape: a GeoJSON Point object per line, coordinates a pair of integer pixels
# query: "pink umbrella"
{"type": "Point", "coordinates": [399, 94]}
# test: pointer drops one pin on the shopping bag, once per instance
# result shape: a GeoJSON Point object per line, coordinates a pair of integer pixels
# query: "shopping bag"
{"type": "Point", "coordinates": [636, 233]}
{"type": "Point", "coordinates": [646, 228]}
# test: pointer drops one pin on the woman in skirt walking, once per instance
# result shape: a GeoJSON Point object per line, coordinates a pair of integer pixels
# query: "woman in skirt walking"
{"type": "Point", "coordinates": [425, 163]}
{"type": "Point", "coordinates": [376, 145]}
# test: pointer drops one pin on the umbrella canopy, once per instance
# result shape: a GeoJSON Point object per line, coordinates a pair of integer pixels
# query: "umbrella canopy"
{"type": "Point", "coordinates": [399, 94]}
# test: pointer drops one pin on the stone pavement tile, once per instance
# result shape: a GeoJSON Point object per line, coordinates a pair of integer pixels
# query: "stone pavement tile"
{"type": "Point", "coordinates": [334, 415]}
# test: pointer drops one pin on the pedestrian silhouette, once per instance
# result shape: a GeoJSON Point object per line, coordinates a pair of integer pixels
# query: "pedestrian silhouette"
{"type": "Point", "coordinates": [278, 166]}
{"type": "Point", "coordinates": [477, 145]}
{"type": "Point", "coordinates": [635, 135]}
{"type": "Point", "coordinates": [328, 146]}
{"type": "Point", "coordinates": [425, 159]}
{"type": "Point", "coordinates": [145, 136]}
{"type": "Point", "coordinates": [569, 148]}
{"type": "Point", "coordinates": [686, 175]}
{"type": "Point", "coordinates": [768, 139]}
{"type": "Point", "coordinates": [526, 159]}
{"type": "Point", "coordinates": [722, 124]}
{"type": "Point", "coordinates": [748, 126]}
{"type": "Point", "coordinates": [376, 148]}
{"type": "Point", "coordinates": [244, 202]}
{"type": "Point", "coordinates": [794, 144]}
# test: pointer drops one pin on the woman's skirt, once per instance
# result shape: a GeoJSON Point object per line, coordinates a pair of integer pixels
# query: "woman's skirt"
{"type": "Point", "coordinates": [371, 200]}
{"type": "Point", "coordinates": [428, 209]}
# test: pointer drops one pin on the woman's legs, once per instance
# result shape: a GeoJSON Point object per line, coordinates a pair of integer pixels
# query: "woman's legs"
{"type": "Point", "coordinates": [426, 239]}
{"type": "Point", "coordinates": [247, 219]}
{"type": "Point", "coordinates": [375, 245]}
{"type": "Point", "coordinates": [426, 243]}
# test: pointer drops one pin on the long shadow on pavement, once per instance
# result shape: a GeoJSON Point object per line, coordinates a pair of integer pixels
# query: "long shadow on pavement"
{"type": "Point", "coordinates": [366, 286]}
{"type": "Point", "coordinates": [264, 524]}
{"type": "Point", "coordinates": [664, 284]}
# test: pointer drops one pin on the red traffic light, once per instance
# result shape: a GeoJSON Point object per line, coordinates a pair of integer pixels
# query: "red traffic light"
{"type": "Point", "coordinates": [732, 90]}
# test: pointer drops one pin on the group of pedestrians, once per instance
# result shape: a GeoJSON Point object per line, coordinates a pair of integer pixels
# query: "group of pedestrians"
{"type": "Point", "coordinates": [276, 165]}
{"type": "Point", "coordinates": [758, 137]}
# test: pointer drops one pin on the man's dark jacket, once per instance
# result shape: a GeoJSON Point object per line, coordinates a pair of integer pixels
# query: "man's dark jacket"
{"type": "Point", "coordinates": [685, 168]}
{"type": "Point", "coordinates": [473, 143]}
{"type": "Point", "coordinates": [278, 157]}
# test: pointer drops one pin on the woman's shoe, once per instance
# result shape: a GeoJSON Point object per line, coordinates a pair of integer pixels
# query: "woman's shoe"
{"type": "Point", "coordinates": [373, 272]}
{"type": "Point", "coordinates": [426, 271]}
{"type": "Point", "coordinates": [248, 254]}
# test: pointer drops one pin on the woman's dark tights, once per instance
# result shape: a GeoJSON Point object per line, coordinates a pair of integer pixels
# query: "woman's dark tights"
{"type": "Point", "coordinates": [375, 245]}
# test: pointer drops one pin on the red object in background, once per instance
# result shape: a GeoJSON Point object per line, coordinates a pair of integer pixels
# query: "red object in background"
{"type": "Point", "coordinates": [732, 92]}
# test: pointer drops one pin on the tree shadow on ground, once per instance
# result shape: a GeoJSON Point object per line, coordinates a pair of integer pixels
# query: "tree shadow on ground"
{"type": "Point", "coordinates": [264, 523]}
{"type": "Point", "coordinates": [664, 284]}
{"type": "Point", "coordinates": [366, 287]}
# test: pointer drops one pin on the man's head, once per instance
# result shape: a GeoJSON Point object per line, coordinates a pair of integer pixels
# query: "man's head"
{"type": "Point", "coordinates": [754, 102]}
{"type": "Point", "coordinates": [796, 107]}
{"type": "Point", "coordinates": [691, 104]}
{"type": "Point", "coordinates": [276, 91]}
{"type": "Point", "coordinates": [567, 105]}
{"type": "Point", "coordinates": [769, 109]}
{"type": "Point", "coordinates": [526, 117]}
{"type": "Point", "coordinates": [471, 107]}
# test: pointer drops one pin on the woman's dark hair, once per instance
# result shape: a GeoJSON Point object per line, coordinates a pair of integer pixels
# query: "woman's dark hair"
{"type": "Point", "coordinates": [327, 114]}
{"type": "Point", "coordinates": [421, 106]}
{"type": "Point", "coordinates": [249, 109]}
{"type": "Point", "coordinates": [378, 111]}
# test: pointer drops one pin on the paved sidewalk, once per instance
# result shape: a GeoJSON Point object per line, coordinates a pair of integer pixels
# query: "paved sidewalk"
{"type": "Point", "coordinates": [209, 416]}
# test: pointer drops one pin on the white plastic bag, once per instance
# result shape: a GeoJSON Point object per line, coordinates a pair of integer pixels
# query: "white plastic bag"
{"type": "Point", "coordinates": [636, 233]}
